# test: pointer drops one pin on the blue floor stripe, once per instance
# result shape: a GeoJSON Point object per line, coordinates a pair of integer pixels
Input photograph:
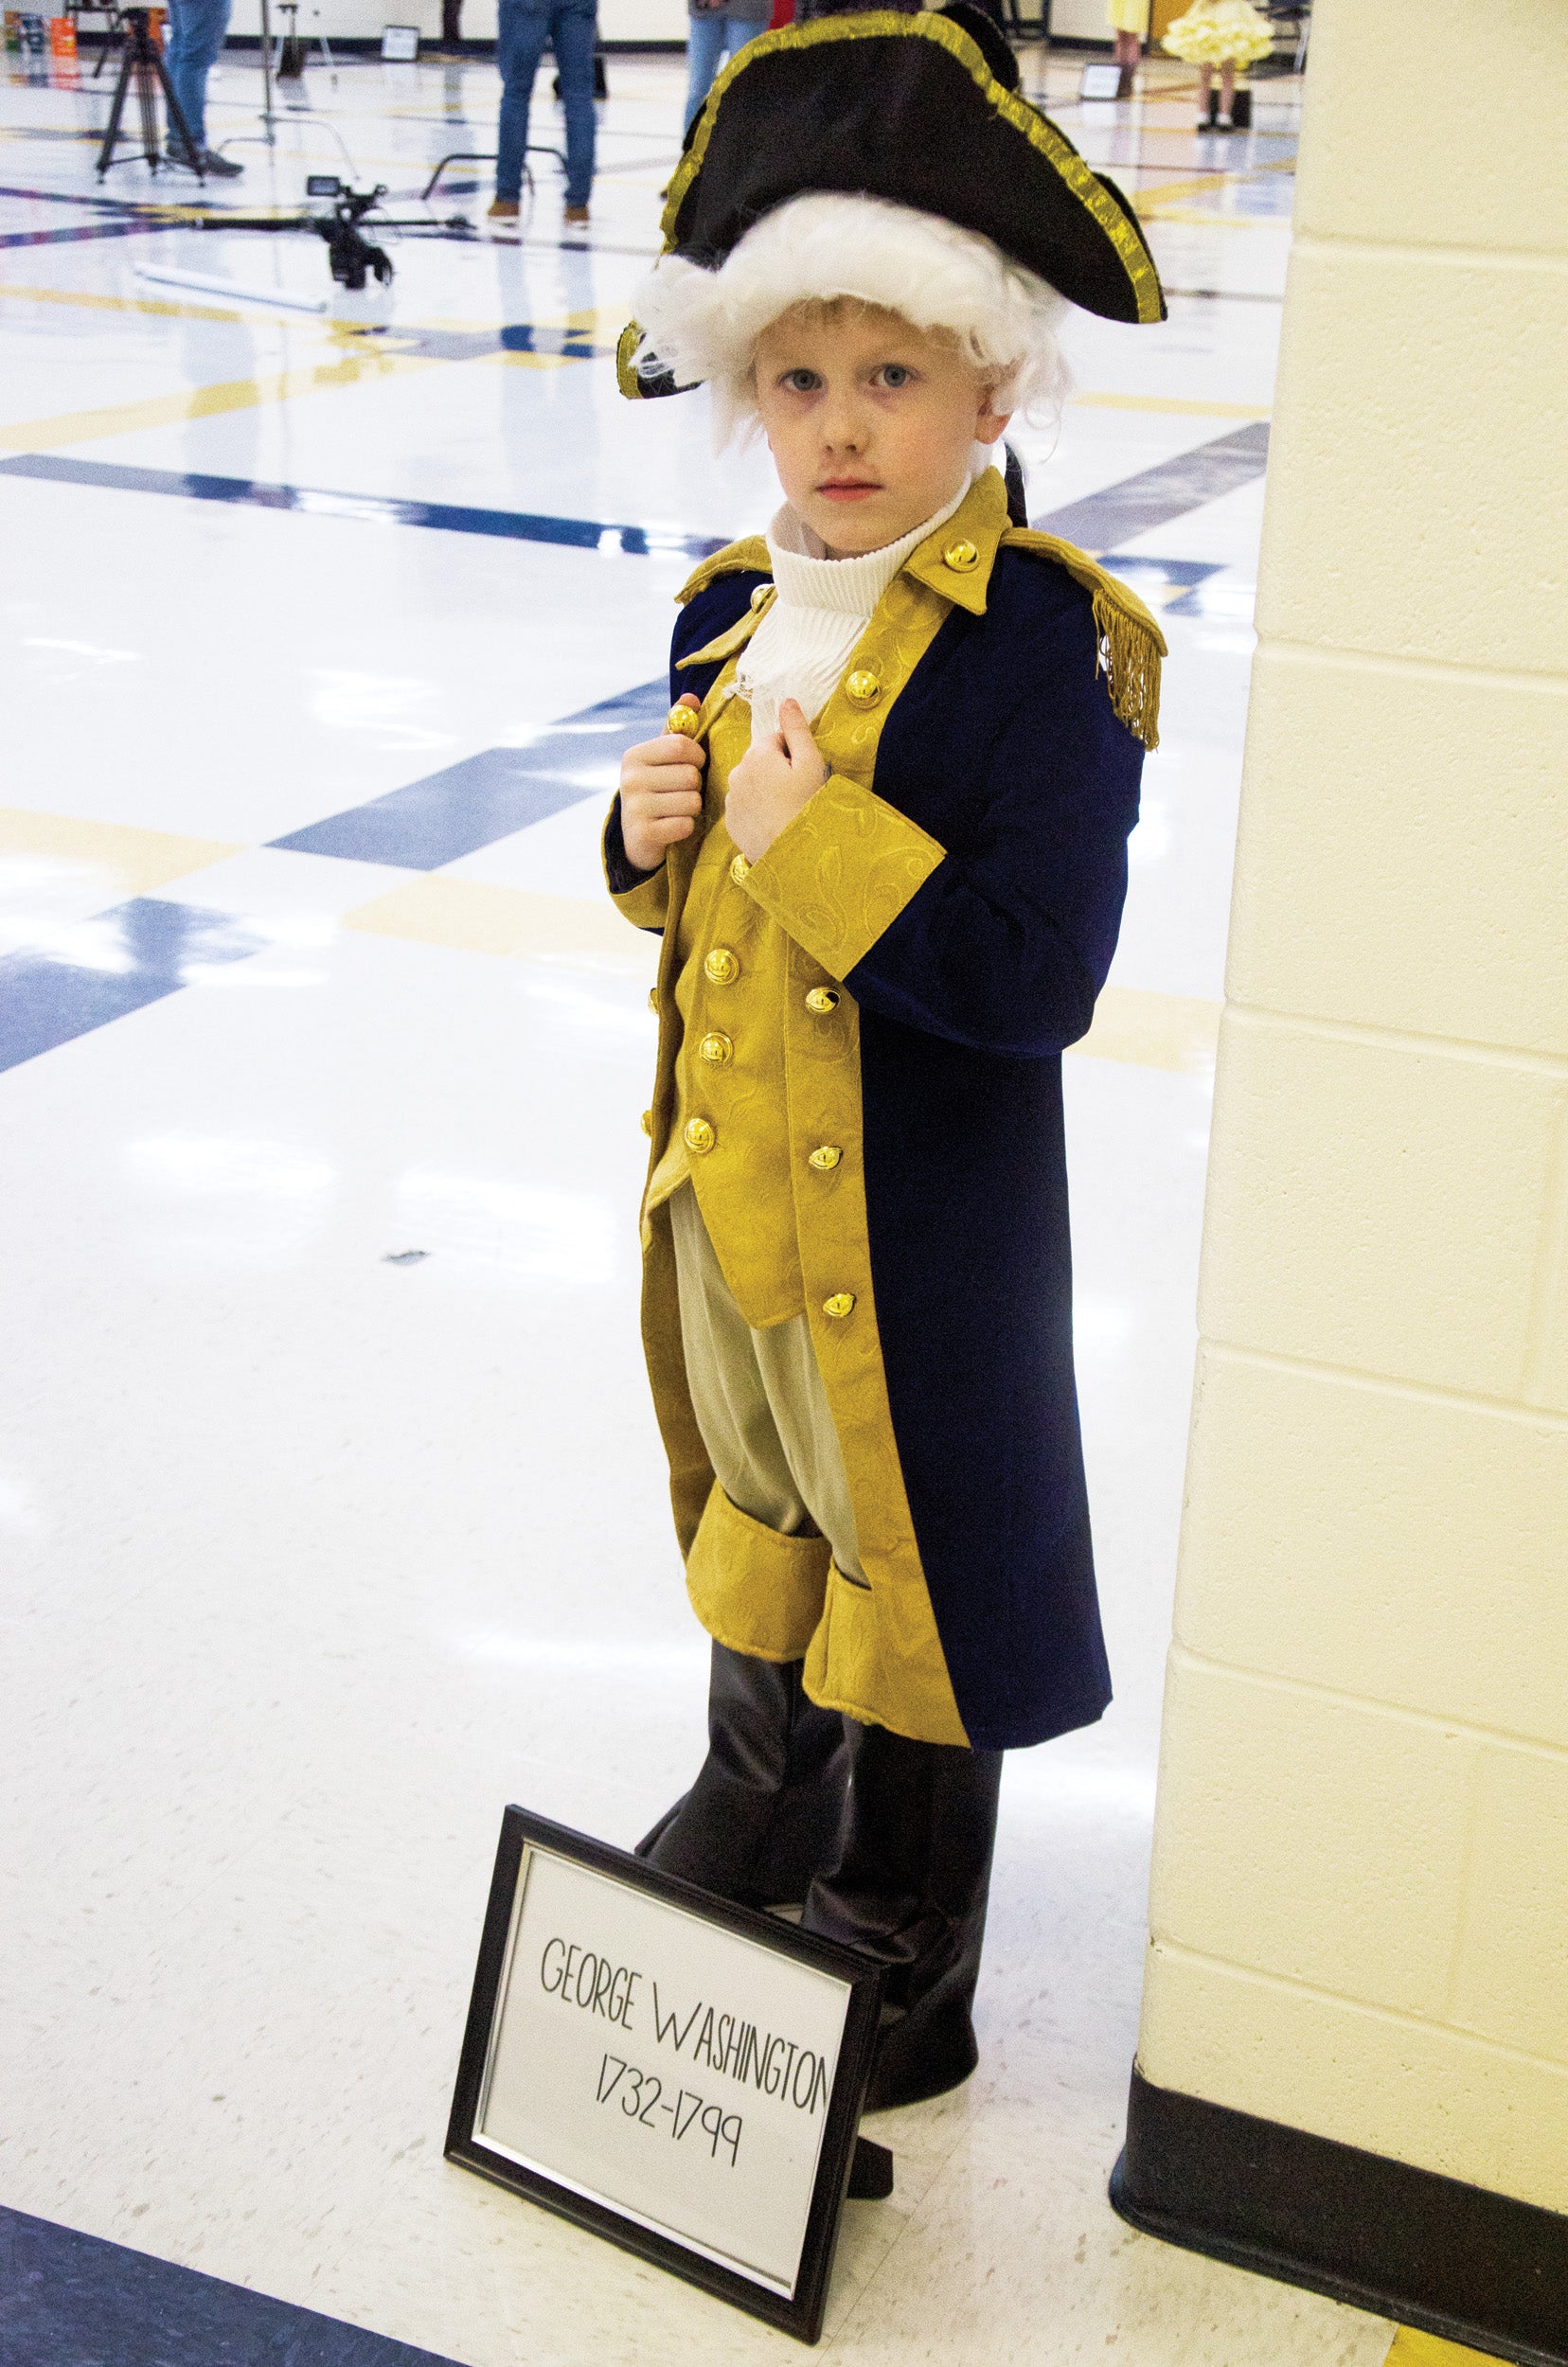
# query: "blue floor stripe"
{"type": "Point", "coordinates": [1155, 496]}
{"type": "Point", "coordinates": [79, 233]}
{"type": "Point", "coordinates": [491, 795]}
{"type": "Point", "coordinates": [68, 2300]}
{"type": "Point", "coordinates": [518, 526]}
{"type": "Point", "coordinates": [146, 948]}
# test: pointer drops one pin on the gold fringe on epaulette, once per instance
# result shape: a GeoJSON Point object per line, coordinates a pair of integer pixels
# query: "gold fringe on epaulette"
{"type": "Point", "coordinates": [1130, 642]}
{"type": "Point", "coordinates": [1130, 649]}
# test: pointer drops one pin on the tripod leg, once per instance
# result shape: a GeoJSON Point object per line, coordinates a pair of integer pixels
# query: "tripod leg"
{"type": "Point", "coordinates": [176, 118]}
{"type": "Point", "coordinates": [106, 153]}
{"type": "Point", "coordinates": [151, 145]}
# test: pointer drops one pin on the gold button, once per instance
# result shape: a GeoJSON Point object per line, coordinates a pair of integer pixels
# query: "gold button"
{"type": "Point", "coordinates": [699, 1136]}
{"type": "Point", "coordinates": [652, 998]}
{"type": "Point", "coordinates": [738, 869]}
{"type": "Point", "coordinates": [821, 999]}
{"type": "Point", "coordinates": [684, 722]}
{"type": "Point", "coordinates": [720, 969]}
{"type": "Point", "coordinates": [647, 1123]}
{"type": "Point", "coordinates": [961, 558]}
{"type": "Point", "coordinates": [825, 1158]}
{"type": "Point", "coordinates": [717, 1048]}
{"type": "Point", "coordinates": [862, 689]}
{"type": "Point", "coordinates": [763, 592]}
{"type": "Point", "coordinates": [841, 1303]}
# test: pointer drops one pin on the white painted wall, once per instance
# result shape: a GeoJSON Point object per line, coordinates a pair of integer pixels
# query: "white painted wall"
{"type": "Point", "coordinates": [1360, 1900]}
{"type": "Point", "coordinates": [619, 19]}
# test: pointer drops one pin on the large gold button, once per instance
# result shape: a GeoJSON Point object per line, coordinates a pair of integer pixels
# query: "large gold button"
{"type": "Point", "coordinates": [841, 1303]}
{"type": "Point", "coordinates": [961, 558]}
{"type": "Point", "coordinates": [699, 1136]}
{"type": "Point", "coordinates": [717, 1048]}
{"type": "Point", "coordinates": [719, 968]}
{"type": "Point", "coordinates": [763, 592]}
{"type": "Point", "coordinates": [684, 722]}
{"type": "Point", "coordinates": [647, 1123]}
{"type": "Point", "coordinates": [652, 998]}
{"type": "Point", "coordinates": [738, 869]}
{"type": "Point", "coordinates": [825, 1158]}
{"type": "Point", "coordinates": [862, 689]}
{"type": "Point", "coordinates": [821, 1000]}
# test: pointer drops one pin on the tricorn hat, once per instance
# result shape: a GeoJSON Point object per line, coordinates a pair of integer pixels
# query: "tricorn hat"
{"type": "Point", "coordinates": [924, 111]}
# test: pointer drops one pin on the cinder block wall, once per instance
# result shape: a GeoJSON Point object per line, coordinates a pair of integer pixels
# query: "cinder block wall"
{"type": "Point", "coordinates": [1360, 1900]}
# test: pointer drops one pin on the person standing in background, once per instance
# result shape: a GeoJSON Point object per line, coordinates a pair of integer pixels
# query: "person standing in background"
{"type": "Point", "coordinates": [1223, 33]}
{"type": "Point", "coordinates": [715, 30]}
{"type": "Point", "coordinates": [571, 28]}
{"type": "Point", "coordinates": [200, 28]}
{"type": "Point", "coordinates": [1129, 21]}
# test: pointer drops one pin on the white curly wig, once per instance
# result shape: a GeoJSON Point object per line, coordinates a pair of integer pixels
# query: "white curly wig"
{"type": "Point", "coordinates": [703, 326]}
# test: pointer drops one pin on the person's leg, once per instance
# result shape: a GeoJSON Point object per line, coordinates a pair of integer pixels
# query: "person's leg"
{"type": "Point", "coordinates": [520, 34]}
{"type": "Point", "coordinates": [1227, 89]}
{"type": "Point", "coordinates": [1205, 96]}
{"type": "Point", "coordinates": [909, 1887]}
{"type": "Point", "coordinates": [572, 31]}
{"type": "Point", "coordinates": [452, 23]}
{"type": "Point", "coordinates": [198, 33]}
{"type": "Point", "coordinates": [764, 1815]}
{"type": "Point", "coordinates": [704, 48]}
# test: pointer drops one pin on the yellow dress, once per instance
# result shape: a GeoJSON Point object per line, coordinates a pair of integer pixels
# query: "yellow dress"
{"type": "Point", "coordinates": [1219, 32]}
{"type": "Point", "coordinates": [1127, 16]}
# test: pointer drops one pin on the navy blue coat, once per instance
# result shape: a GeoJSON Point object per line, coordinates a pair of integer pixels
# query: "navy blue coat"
{"type": "Point", "coordinates": [1004, 747]}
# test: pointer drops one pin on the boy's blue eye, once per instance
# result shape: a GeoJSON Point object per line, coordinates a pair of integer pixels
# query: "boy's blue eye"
{"type": "Point", "coordinates": [802, 381]}
{"type": "Point", "coordinates": [895, 374]}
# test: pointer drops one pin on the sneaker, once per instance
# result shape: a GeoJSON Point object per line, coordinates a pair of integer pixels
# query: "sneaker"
{"type": "Point", "coordinates": [221, 167]}
{"type": "Point", "coordinates": [505, 209]}
{"type": "Point", "coordinates": [577, 217]}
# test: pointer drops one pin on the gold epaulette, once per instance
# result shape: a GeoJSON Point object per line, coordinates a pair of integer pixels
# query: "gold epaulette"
{"type": "Point", "coordinates": [1130, 643]}
{"type": "Point", "coordinates": [734, 559]}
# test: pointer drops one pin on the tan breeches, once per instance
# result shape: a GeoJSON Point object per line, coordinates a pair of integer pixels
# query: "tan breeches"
{"type": "Point", "coordinates": [761, 1403]}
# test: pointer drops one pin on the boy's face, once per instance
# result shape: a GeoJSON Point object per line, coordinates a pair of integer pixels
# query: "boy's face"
{"type": "Point", "coordinates": [871, 421]}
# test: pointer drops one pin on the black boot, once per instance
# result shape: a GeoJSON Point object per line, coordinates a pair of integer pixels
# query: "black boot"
{"type": "Point", "coordinates": [909, 1887]}
{"type": "Point", "coordinates": [764, 1813]}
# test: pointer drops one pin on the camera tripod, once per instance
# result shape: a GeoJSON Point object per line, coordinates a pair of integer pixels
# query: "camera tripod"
{"type": "Point", "coordinates": [350, 254]}
{"type": "Point", "coordinates": [143, 61]}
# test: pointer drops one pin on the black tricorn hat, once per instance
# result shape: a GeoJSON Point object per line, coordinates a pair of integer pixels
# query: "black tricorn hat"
{"type": "Point", "coordinates": [922, 110]}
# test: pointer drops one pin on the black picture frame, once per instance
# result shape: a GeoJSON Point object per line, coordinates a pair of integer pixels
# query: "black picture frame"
{"type": "Point", "coordinates": [800, 2313]}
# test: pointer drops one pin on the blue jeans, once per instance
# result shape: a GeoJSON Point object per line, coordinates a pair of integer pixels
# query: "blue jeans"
{"type": "Point", "coordinates": [196, 37]}
{"type": "Point", "coordinates": [569, 26]}
{"type": "Point", "coordinates": [709, 41]}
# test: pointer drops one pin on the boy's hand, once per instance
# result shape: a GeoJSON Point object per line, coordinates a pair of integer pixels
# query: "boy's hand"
{"type": "Point", "coordinates": [772, 782]}
{"type": "Point", "coordinates": [661, 794]}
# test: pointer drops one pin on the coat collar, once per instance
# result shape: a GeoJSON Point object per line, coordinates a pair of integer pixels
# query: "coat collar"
{"type": "Point", "coordinates": [980, 520]}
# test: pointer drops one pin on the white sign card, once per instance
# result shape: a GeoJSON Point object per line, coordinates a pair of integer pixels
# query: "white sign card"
{"type": "Point", "coordinates": [683, 2074]}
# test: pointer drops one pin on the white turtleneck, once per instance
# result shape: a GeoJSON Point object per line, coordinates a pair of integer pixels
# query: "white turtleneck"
{"type": "Point", "coordinates": [803, 643]}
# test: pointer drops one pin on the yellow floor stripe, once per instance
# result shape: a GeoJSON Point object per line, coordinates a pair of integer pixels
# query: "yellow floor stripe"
{"type": "Point", "coordinates": [85, 298]}
{"type": "Point", "coordinates": [137, 859]}
{"type": "Point", "coordinates": [1171, 1031]}
{"type": "Point", "coordinates": [201, 403]}
{"type": "Point", "coordinates": [471, 915]}
{"type": "Point", "coordinates": [1182, 404]}
{"type": "Point", "coordinates": [1430, 2350]}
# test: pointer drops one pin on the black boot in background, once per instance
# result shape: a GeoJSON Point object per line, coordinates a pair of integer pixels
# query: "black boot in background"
{"type": "Point", "coordinates": [909, 1887]}
{"type": "Point", "coordinates": [764, 1814]}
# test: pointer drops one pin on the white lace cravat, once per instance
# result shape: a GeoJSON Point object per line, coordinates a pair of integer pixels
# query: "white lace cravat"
{"type": "Point", "coordinates": [802, 646]}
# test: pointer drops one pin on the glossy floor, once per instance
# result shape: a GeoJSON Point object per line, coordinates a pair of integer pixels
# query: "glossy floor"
{"type": "Point", "coordinates": [332, 1510]}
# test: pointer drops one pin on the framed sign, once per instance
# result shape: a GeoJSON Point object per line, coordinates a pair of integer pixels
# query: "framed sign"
{"type": "Point", "coordinates": [679, 2074]}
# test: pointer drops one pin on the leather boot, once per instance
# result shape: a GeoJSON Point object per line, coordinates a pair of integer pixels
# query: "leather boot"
{"type": "Point", "coordinates": [909, 1887]}
{"type": "Point", "coordinates": [764, 1814]}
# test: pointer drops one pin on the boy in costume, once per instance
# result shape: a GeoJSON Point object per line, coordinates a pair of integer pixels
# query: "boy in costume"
{"type": "Point", "coordinates": [885, 842]}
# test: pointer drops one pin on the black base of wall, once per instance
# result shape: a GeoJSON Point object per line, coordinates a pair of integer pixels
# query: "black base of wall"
{"type": "Point", "coordinates": [1449, 2259]}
